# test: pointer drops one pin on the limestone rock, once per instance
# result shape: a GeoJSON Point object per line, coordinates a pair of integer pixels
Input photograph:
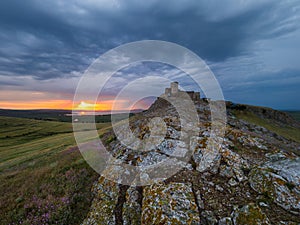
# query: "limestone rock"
{"type": "Point", "coordinates": [174, 148]}
{"type": "Point", "coordinates": [236, 164]}
{"type": "Point", "coordinates": [283, 189]}
{"type": "Point", "coordinates": [288, 223]}
{"type": "Point", "coordinates": [102, 209]}
{"type": "Point", "coordinates": [132, 209]}
{"type": "Point", "coordinates": [225, 221]}
{"type": "Point", "coordinates": [252, 142]}
{"type": "Point", "coordinates": [172, 203]}
{"type": "Point", "coordinates": [206, 154]}
{"type": "Point", "coordinates": [208, 218]}
{"type": "Point", "coordinates": [251, 215]}
{"type": "Point", "coordinates": [288, 169]}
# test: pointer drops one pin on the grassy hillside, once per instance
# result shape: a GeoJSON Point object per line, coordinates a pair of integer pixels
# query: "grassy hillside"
{"type": "Point", "coordinates": [44, 177]}
{"type": "Point", "coordinates": [294, 114]}
{"type": "Point", "coordinates": [285, 131]}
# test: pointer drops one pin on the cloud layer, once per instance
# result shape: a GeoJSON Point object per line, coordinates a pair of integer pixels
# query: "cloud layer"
{"type": "Point", "coordinates": [251, 46]}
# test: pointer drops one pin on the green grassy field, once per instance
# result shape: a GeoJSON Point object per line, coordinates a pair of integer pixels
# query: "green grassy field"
{"type": "Point", "coordinates": [285, 131]}
{"type": "Point", "coordinates": [43, 177]}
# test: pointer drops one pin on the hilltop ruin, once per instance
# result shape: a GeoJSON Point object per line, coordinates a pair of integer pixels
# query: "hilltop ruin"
{"type": "Point", "coordinates": [174, 92]}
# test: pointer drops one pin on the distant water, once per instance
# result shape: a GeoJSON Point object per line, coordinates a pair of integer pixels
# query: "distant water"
{"type": "Point", "coordinates": [101, 113]}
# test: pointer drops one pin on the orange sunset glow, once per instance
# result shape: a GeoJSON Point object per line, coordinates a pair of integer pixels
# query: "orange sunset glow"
{"type": "Point", "coordinates": [57, 104]}
{"type": "Point", "coordinates": [29, 100]}
{"type": "Point", "coordinates": [65, 105]}
{"type": "Point", "coordinates": [49, 104]}
{"type": "Point", "coordinates": [99, 106]}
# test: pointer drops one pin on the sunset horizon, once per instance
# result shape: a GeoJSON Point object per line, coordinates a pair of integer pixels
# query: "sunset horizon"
{"type": "Point", "coordinates": [69, 105]}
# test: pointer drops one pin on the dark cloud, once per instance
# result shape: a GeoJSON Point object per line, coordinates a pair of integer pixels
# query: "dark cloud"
{"type": "Point", "coordinates": [52, 39]}
{"type": "Point", "coordinates": [278, 90]}
{"type": "Point", "coordinates": [67, 33]}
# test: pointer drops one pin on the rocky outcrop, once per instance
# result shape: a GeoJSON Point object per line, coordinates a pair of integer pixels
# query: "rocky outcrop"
{"type": "Point", "coordinates": [249, 176]}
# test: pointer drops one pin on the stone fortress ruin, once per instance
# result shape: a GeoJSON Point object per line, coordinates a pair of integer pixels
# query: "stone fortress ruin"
{"type": "Point", "coordinates": [173, 91]}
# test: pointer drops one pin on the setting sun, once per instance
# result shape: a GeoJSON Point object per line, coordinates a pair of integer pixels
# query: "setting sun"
{"type": "Point", "coordinates": [86, 106]}
{"type": "Point", "coordinates": [99, 106]}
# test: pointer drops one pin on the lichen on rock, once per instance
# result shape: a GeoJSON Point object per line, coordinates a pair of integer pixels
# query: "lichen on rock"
{"type": "Point", "coordinates": [132, 209]}
{"type": "Point", "coordinates": [250, 214]}
{"type": "Point", "coordinates": [104, 203]}
{"type": "Point", "coordinates": [172, 203]}
{"type": "Point", "coordinates": [283, 190]}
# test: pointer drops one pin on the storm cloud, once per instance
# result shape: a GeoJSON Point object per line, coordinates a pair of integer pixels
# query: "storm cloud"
{"type": "Point", "coordinates": [249, 45]}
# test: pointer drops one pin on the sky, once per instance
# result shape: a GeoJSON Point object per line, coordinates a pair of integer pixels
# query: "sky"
{"type": "Point", "coordinates": [251, 46]}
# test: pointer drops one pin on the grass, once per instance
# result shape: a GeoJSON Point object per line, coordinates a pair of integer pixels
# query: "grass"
{"type": "Point", "coordinates": [43, 177]}
{"type": "Point", "coordinates": [15, 131]}
{"type": "Point", "coordinates": [285, 131]}
{"type": "Point", "coordinates": [294, 114]}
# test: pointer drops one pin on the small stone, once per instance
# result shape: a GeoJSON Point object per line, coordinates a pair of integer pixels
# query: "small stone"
{"type": "Point", "coordinates": [219, 188]}
{"type": "Point", "coordinates": [199, 199]}
{"type": "Point", "coordinates": [262, 204]}
{"type": "Point", "coordinates": [225, 221]}
{"type": "Point", "coordinates": [226, 171]}
{"type": "Point", "coordinates": [208, 218]}
{"type": "Point", "coordinates": [288, 223]}
{"type": "Point", "coordinates": [232, 182]}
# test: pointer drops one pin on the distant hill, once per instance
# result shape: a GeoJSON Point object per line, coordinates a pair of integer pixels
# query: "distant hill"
{"type": "Point", "coordinates": [57, 115]}
{"type": "Point", "coordinates": [282, 118]}
{"type": "Point", "coordinates": [42, 114]}
{"type": "Point", "coordinates": [294, 114]}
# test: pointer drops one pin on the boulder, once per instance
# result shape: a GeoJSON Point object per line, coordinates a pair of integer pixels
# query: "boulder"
{"type": "Point", "coordinates": [280, 182]}
{"type": "Point", "coordinates": [104, 203]}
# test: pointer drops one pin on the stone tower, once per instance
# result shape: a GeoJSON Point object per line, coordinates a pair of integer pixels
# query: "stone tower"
{"type": "Point", "coordinates": [174, 92]}
{"type": "Point", "coordinates": [174, 88]}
